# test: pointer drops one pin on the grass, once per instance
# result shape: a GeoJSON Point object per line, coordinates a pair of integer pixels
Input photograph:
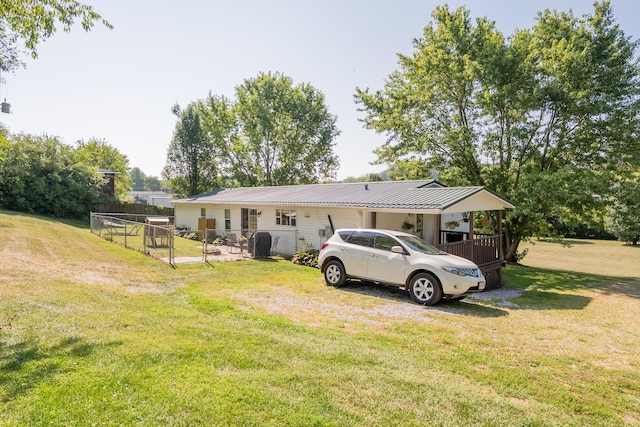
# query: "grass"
{"type": "Point", "coordinates": [94, 334]}
{"type": "Point", "coordinates": [602, 257]}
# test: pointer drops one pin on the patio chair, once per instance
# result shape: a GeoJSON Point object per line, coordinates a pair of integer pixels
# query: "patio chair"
{"type": "Point", "coordinates": [231, 241]}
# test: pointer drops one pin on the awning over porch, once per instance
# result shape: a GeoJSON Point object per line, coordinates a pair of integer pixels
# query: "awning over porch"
{"type": "Point", "coordinates": [440, 200]}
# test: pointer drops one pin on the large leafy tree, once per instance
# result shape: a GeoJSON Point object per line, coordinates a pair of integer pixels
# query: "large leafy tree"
{"type": "Point", "coordinates": [42, 175]}
{"type": "Point", "coordinates": [191, 166]}
{"type": "Point", "coordinates": [33, 21]}
{"type": "Point", "coordinates": [100, 154]}
{"type": "Point", "coordinates": [273, 133]}
{"type": "Point", "coordinates": [623, 215]}
{"type": "Point", "coordinates": [542, 118]}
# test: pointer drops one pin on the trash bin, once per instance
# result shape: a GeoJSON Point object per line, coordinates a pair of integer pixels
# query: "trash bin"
{"type": "Point", "coordinates": [260, 244]}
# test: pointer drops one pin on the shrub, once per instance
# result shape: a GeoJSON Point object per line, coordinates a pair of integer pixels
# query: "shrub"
{"type": "Point", "coordinates": [308, 258]}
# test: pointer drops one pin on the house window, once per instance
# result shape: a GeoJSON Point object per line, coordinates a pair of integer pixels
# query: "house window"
{"type": "Point", "coordinates": [286, 217]}
{"type": "Point", "coordinates": [227, 219]}
{"type": "Point", "coordinates": [203, 212]}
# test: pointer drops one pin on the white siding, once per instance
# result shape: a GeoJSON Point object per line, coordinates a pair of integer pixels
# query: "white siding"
{"type": "Point", "coordinates": [311, 222]}
{"type": "Point", "coordinates": [393, 221]}
{"type": "Point", "coordinates": [306, 233]}
{"type": "Point", "coordinates": [429, 222]}
{"type": "Point", "coordinates": [186, 215]}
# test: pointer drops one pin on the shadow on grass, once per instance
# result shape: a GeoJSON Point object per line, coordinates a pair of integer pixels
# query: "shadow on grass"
{"type": "Point", "coordinates": [531, 299]}
{"type": "Point", "coordinates": [532, 278]}
{"type": "Point", "coordinates": [565, 242]}
{"type": "Point", "coordinates": [560, 290]}
{"type": "Point", "coordinates": [469, 308]}
{"type": "Point", "coordinates": [525, 288]}
{"type": "Point", "coordinates": [77, 223]}
{"type": "Point", "coordinates": [27, 364]}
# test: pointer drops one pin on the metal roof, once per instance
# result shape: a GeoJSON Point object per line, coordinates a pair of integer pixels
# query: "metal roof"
{"type": "Point", "coordinates": [415, 195]}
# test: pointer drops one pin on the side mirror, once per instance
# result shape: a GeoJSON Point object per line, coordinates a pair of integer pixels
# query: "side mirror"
{"type": "Point", "coordinates": [397, 250]}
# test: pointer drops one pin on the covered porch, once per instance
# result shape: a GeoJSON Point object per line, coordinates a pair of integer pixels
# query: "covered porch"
{"type": "Point", "coordinates": [464, 223]}
{"type": "Point", "coordinates": [485, 250]}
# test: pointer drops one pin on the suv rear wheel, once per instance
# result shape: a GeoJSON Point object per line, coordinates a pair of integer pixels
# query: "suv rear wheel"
{"type": "Point", "coordinates": [424, 288]}
{"type": "Point", "coordinates": [334, 273]}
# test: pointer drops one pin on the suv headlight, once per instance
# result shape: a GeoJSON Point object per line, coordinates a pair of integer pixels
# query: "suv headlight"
{"type": "Point", "coordinates": [459, 271]}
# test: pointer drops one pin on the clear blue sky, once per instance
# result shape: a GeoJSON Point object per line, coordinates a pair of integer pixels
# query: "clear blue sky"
{"type": "Point", "coordinates": [119, 85]}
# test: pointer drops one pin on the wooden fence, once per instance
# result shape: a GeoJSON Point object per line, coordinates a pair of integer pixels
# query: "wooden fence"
{"type": "Point", "coordinates": [135, 208]}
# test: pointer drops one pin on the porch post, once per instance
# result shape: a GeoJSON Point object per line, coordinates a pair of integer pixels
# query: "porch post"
{"type": "Point", "coordinates": [471, 229]}
{"type": "Point", "coordinates": [500, 251]}
{"type": "Point", "coordinates": [436, 229]}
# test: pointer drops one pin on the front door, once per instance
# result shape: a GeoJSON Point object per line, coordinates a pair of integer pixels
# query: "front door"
{"type": "Point", "coordinates": [248, 221]}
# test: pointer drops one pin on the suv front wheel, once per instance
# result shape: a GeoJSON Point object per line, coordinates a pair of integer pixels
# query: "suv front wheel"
{"type": "Point", "coordinates": [424, 288]}
{"type": "Point", "coordinates": [334, 273]}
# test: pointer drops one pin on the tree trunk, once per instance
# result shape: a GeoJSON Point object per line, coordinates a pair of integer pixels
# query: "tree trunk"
{"type": "Point", "coordinates": [511, 248]}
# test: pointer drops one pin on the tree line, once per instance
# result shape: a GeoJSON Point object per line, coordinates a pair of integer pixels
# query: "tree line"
{"type": "Point", "coordinates": [40, 174]}
{"type": "Point", "coordinates": [546, 117]}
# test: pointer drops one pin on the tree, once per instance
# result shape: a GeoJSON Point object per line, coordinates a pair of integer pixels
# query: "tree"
{"type": "Point", "coordinates": [152, 183]}
{"type": "Point", "coordinates": [35, 21]}
{"type": "Point", "coordinates": [138, 178]}
{"type": "Point", "coordinates": [191, 165]}
{"type": "Point", "coordinates": [42, 175]}
{"type": "Point", "coordinates": [623, 216]}
{"type": "Point", "coordinates": [98, 153]}
{"type": "Point", "coordinates": [142, 182]}
{"type": "Point", "coordinates": [274, 133]}
{"type": "Point", "coordinates": [543, 118]}
{"type": "Point", "coordinates": [370, 177]}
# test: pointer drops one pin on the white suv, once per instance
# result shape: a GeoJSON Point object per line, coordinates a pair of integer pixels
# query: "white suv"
{"type": "Point", "coordinates": [398, 259]}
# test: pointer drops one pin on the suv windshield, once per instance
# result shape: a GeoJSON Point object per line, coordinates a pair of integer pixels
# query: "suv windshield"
{"type": "Point", "coordinates": [420, 245]}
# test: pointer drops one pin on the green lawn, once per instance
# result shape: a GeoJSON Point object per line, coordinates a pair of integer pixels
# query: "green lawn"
{"type": "Point", "coordinates": [94, 334]}
{"type": "Point", "coordinates": [604, 257]}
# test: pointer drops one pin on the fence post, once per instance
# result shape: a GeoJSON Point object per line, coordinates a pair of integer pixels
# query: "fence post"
{"type": "Point", "coordinates": [171, 249]}
{"type": "Point", "coordinates": [205, 243]}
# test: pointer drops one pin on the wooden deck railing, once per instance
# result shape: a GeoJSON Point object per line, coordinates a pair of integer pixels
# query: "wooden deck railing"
{"type": "Point", "coordinates": [484, 251]}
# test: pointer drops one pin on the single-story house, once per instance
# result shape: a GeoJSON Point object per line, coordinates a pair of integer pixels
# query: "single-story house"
{"type": "Point", "coordinates": [301, 217]}
{"type": "Point", "coordinates": [153, 198]}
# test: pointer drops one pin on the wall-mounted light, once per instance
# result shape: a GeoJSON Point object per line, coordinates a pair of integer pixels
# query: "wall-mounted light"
{"type": "Point", "coordinates": [259, 213]}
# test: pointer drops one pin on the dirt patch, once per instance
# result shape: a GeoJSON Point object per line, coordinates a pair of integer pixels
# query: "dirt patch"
{"type": "Point", "coordinates": [498, 297]}
{"type": "Point", "coordinates": [316, 311]}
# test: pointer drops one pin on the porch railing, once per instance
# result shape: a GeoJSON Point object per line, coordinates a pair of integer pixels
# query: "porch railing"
{"type": "Point", "coordinates": [483, 251]}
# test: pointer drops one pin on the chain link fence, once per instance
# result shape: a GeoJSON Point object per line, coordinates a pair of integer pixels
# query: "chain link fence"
{"type": "Point", "coordinates": [156, 236]}
{"type": "Point", "coordinates": [152, 236]}
{"type": "Point", "coordinates": [225, 244]}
